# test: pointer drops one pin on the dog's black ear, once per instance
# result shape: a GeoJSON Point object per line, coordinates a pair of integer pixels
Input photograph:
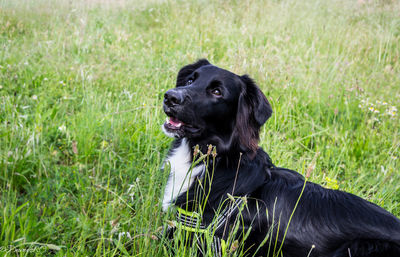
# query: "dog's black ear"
{"type": "Point", "coordinates": [189, 69]}
{"type": "Point", "coordinates": [258, 102]}
{"type": "Point", "coordinates": [253, 111]}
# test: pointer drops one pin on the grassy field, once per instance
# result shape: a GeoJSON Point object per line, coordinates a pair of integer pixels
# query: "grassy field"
{"type": "Point", "coordinates": [81, 87]}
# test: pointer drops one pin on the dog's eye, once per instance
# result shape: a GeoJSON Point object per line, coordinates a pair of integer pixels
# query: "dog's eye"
{"type": "Point", "coordinates": [216, 92]}
{"type": "Point", "coordinates": [190, 81]}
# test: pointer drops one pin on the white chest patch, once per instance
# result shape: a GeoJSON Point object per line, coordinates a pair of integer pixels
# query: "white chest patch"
{"type": "Point", "coordinates": [181, 176]}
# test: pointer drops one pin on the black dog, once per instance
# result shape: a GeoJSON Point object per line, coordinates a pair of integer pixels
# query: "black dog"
{"type": "Point", "coordinates": [212, 106]}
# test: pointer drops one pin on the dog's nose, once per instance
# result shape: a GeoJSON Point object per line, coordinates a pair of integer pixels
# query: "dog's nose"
{"type": "Point", "coordinates": [173, 97]}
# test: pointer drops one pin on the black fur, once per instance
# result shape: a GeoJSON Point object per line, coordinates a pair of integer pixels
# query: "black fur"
{"type": "Point", "coordinates": [329, 223]}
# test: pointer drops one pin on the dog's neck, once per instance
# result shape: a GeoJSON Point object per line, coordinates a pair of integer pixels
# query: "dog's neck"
{"type": "Point", "coordinates": [228, 145]}
{"type": "Point", "coordinates": [182, 174]}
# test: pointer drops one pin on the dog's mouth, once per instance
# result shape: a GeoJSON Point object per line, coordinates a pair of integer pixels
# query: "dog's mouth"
{"type": "Point", "coordinates": [177, 128]}
{"type": "Point", "coordinates": [173, 124]}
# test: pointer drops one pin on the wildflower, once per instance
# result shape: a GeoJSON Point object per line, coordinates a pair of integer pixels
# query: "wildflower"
{"type": "Point", "coordinates": [38, 128]}
{"type": "Point", "coordinates": [383, 170]}
{"type": "Point", "coordinates": [392, 111]}
{"type": "Point", "coordinates": [131, 186]}
{"type": "Point", "coordinates": [131, 191]}
{"type": "Point", "coordinates": [376, 120]}
{"type": "Point", "coordinates": [372, 109]}
{"type": "Point", "coordinates": [62, 128]}
{"type": "Point", "coordinates": [104, 144]}
{"type": "Point", "coordinates": [331, 183]}
{"type": "Point", "coordinates": [129, 95]}
{"type": "Point", "coordinates": [34, 97]}
{"type": "Point", "coordinates": [124, 234]}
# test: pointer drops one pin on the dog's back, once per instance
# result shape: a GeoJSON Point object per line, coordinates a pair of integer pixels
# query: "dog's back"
{"type": "Point", "coordinates": [326, 222]}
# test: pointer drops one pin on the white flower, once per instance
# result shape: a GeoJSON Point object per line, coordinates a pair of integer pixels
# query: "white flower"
{"type": "Point", "coordinates": [384, 171]}
{"type": "Point", "coordinates": [131, 191]}
{"type": "Point", "coordinates": [131, 187]}
{"type": "Point", "coordinates": [392, 111]}
{"type": "Point", "coordinates": [62, 128]}
{"type": "Point", "coordinates": [124, 234]}
{"type": "Point", "coordinates": [376, 120]}
{"type": "Point", "coordinates": [34, 97]}
{"type": "Point", "coordinates": [128, 94]}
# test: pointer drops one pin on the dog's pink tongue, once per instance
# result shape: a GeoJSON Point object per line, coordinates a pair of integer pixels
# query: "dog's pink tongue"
{"type": "Point", "coordinates": [175, 122]}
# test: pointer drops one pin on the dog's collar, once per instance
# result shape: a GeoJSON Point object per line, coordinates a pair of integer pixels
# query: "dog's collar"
{"type": "Point", "coordinates": [192, 222]}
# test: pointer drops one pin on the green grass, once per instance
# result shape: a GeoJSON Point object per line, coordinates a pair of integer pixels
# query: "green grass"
{"type": "Point", "coordinates": [81, 89]}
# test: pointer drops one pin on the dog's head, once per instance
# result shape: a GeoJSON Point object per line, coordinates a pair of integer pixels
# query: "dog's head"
{"type": "Point", "coordinates": [210, 105]}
